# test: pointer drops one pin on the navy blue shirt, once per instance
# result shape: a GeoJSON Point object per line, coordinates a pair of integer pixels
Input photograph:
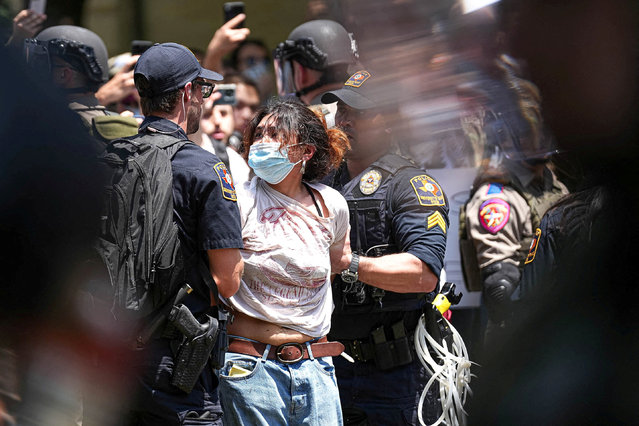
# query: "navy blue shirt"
{"type": "Point", "coordinates": [395, 207]}
{"type": "Point", "coordinates": [415, 212]}
{"type": "Point", "coordinates": [204, 203]}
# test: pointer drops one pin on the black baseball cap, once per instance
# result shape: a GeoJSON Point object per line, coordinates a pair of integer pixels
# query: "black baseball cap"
{"type": "Point", "coordinates": [168, 67]}
{"type": "Point", "coordinates": [357, 92]}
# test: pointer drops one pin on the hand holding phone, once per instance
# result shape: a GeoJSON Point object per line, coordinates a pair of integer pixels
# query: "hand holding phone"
{"type": "Point", "coordinates": [228, 94]}
{"type": "Point", "coordinates": [38, 6]}
{"type": "Point", "coordinates": [231, 10]}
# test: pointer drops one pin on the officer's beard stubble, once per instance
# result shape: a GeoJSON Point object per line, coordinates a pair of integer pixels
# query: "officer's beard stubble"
{"type": "Point", "coordinates": [193, 115]}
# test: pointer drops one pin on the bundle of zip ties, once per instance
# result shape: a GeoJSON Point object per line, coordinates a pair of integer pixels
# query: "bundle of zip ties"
{"type": "Point", "coordinates": [450, 368]}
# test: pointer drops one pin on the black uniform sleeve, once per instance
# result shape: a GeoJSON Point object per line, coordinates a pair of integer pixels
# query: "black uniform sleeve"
{"type": "Point", "coordinates": [419, 217]}
{"type": "Point", "coordinates": [219, 217]}
{"type": "Point", "coordinates": [206, 200]}
{"type": "Point", "coordinates": [540, 263]}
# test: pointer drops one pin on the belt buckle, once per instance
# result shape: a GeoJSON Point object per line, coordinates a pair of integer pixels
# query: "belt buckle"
{"type": "Point", "coordinates": [281, 347]}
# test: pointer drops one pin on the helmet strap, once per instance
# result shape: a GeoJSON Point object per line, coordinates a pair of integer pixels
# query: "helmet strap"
{"type": "Point", "coordinates": [319, 83]}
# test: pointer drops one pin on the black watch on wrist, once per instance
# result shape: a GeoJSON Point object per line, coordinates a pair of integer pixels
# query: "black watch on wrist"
{"type": "Point", "coordinates": [350, 275]}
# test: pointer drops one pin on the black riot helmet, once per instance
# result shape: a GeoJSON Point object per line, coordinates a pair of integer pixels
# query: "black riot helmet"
{"type": "Point", "coordinates": [81, 48]}
{"type": "Point", "coordinates": [320, 45]}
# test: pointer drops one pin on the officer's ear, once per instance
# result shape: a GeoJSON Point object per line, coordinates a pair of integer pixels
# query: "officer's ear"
{"type": "Point", "coordinates": [188, 91]}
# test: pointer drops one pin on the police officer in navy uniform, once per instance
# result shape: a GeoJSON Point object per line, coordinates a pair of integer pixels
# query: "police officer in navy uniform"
{"type": "Point", "coordinates": [399, 220]}
{"type": "Point", "coordinates": [172, 85]}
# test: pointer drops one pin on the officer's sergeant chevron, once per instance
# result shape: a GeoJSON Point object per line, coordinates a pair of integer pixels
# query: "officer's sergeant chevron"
{"type": "Point", "coordinates": [437, 219]}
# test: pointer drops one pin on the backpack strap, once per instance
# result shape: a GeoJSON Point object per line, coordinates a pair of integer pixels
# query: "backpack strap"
{"type": "Point", "coordinates": [170, 144]}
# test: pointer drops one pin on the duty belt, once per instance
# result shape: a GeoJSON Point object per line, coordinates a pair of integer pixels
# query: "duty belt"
{"type": "Point", "coordinates": [360, 350]}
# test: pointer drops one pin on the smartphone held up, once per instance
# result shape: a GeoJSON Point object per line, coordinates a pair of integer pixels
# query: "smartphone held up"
{"type": "Point", "coordinates": [232, 9]}
{"type": "Point", "coordinates": [38, 6]}
{"type": "Point", "coordinates": [228, 94]}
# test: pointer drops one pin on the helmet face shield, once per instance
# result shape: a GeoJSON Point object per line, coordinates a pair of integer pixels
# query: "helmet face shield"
{"type": "Point", "coordinates": [303, 51]}
{"type": "Point", "coordinates": [81, 57]}
{"type": "Point", "coordinates": [37, 56]}
{"type": "Point", "coordinates": [284, 78]}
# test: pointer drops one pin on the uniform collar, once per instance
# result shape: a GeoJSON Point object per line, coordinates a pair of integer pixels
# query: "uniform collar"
{"type": "Point", "coordinates": [161, 125]}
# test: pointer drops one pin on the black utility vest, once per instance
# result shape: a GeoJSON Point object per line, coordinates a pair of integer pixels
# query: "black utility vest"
{"type": "Point", "coordinates": [371, 236]}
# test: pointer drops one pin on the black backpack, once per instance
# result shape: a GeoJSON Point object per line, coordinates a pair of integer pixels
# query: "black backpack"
{"type": "Point", "coordinates": [138, 240]}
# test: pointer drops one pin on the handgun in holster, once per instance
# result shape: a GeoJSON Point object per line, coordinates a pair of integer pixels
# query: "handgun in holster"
{"type": "Point", "coordinates": [198, 342]}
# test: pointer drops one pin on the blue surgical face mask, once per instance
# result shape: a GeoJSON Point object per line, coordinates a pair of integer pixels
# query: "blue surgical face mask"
{"type": "Point", "coordinates": [269, 162]}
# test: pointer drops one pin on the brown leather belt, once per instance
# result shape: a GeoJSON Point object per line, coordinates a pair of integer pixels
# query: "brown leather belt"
{"type": "Point", "coordinates": [287, 353]}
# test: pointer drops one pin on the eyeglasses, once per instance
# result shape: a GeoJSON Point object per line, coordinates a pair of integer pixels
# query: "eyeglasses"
{"type": "Point", "coordinates": [207, 88]}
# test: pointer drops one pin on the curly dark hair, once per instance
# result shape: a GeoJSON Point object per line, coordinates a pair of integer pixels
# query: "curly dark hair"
{"type": "Point", "coordinates": [296, 123]}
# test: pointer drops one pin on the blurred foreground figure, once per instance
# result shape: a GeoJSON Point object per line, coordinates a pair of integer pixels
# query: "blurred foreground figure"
{"type": "Point", "coordinates": [573, 359]}
{"type": "Point", "coordinates": [50, 211]}
{"type": "Point", "coordinates": [512, 190]}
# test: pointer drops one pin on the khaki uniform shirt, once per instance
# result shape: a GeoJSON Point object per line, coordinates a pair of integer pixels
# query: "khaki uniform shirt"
{"type": "Point", "coordinates": [498, 217]}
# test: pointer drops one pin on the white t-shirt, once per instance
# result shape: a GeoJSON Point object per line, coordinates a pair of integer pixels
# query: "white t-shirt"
{"type": "Point", "coordinates": [287, 267]}
{"type": "Point", "coordinates": [240, 171]}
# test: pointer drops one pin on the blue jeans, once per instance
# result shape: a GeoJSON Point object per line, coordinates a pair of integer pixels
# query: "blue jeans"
{"type": "Point", "coordinates": [269, 392]}
{"type": "Point", "coordinates": [370, 396]}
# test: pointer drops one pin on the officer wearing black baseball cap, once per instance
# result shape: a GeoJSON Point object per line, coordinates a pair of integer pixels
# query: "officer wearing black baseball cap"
{"type": "Point", "coordinates": [168, 67]}
{"type": "Point", "coordinates": [172, 86]}
{"type": "Point", "coordinates": [399, 220]}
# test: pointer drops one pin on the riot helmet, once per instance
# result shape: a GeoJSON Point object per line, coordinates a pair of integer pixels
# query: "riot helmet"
{"type": "Point", "coordinates": [320, 45]}
{"type": "Point", "coordinates": [81, 48]}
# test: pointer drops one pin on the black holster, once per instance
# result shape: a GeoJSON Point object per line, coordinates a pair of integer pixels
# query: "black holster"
{"type": "Point", "coordinates": [195, 349]}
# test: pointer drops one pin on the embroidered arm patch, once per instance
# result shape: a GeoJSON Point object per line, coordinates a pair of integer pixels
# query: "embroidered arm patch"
{"type": "Point", "coordinates": [428, 192]}
{"type": "Point", "coordinates": [494, 214]}
{"type": "Point", "coordinates": [533, 247]}
{"type": "Point", "coordinates": [436, 219]}
{"type": "Point", "coordinates": [226, 182]}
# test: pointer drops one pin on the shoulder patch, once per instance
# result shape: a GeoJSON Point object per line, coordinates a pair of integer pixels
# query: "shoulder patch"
{"type": "Point", "coordinates": [495, 188]}
{"type": "Point", "coordinates": [226, 182]}
{"type": "Point", "coordinates": [428, 192]}
{"type": "Point", "coordinates": [370, 182]}
{"type": "Point", "coordinates": [436, 219]}
{"type": "Point", "coordinates": [494, 214]}
{"type": "Point", "coordinates": [357, 79]}
{"type": "Point", "coordinates": [532, 252]}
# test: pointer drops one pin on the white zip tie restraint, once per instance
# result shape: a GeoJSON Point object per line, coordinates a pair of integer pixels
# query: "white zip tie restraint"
{"type": "Point", "coordinates": [449, 367]}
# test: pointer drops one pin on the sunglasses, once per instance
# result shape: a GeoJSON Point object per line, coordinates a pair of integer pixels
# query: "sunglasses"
{"type": "Point", "coordinates": [207, 88]}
